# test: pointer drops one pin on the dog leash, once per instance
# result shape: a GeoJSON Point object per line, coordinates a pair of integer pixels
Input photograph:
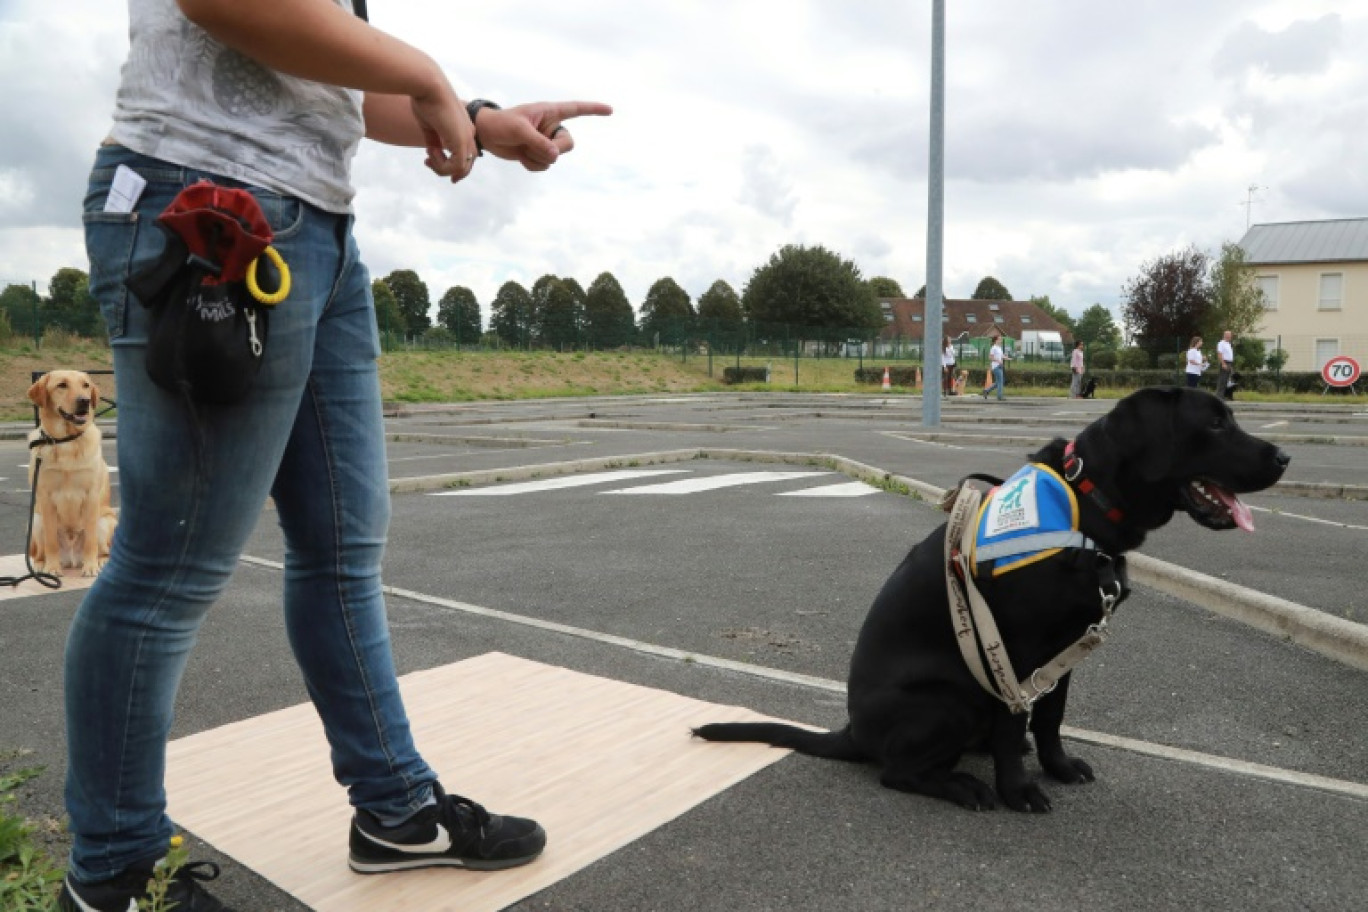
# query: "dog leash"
{"type": "Point", "coordinates": [49, 580]}
{"type": "Point", "coordinates": [976, 631]}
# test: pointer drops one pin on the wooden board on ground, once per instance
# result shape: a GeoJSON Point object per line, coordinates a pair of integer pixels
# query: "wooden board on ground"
{"type": "Point", "coordinates": [598, 762]}
{"type": "Point", "coordinates": [13, 566]}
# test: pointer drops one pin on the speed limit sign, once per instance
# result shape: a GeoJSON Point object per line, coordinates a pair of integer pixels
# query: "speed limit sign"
{"type": "Point", "coordinates": [1340, 371]}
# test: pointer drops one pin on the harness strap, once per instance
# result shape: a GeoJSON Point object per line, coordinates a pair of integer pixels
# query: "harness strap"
{"type": "Point", "coordinates": [43, 438]}
{"type": "Point", "coordinates": [976, 631]}
{"type": "Point", "coordinates": [1024, 544]}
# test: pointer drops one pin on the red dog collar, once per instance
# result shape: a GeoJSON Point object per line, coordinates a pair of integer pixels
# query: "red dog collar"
{"type": "Point", "coordinates": [1073, 474]}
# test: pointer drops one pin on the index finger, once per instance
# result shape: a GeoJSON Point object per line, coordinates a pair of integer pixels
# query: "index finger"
{"type": "Point", "coordinates": [564, 110]}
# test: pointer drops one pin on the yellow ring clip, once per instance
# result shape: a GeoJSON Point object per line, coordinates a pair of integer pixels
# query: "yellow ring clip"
{"type": "Point", "coordinates": [280, 293]}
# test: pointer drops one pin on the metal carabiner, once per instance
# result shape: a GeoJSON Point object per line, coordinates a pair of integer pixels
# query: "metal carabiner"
{"type": "Point", "coordinates": [250, 314]}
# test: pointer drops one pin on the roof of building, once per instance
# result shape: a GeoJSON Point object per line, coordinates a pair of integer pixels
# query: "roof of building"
{"type": "Point", "coordinates": [977, 318]}
{"type": "Point", "coordinates": [1328, 241]}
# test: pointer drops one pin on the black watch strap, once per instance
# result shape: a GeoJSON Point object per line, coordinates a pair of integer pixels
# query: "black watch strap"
{"type": "Point", "coordinates": [474, 108]}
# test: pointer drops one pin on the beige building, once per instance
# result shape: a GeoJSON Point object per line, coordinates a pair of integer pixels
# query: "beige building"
{"type": "Point", "coordinates": [1314, 278]}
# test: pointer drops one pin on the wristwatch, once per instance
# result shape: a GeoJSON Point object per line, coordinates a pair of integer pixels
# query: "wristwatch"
{"type": "Point", "coordinates": [473, 109]}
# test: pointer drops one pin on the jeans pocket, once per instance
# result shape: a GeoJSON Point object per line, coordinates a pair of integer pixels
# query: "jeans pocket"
{"type": "Point", "coordinates": [111, 239]}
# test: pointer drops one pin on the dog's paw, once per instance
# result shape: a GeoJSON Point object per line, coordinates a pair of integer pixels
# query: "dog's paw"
{"type": "Point", "coordinates": [1069, 770]}
{"type": "Point", "coordinates": [969, 792]}
{"type": "Point", "coordinates": [1026, 797]}
{"type": "Point", "coordinates": [91, 569]}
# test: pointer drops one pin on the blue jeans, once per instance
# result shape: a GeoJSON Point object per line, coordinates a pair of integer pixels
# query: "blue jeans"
{"type": "Point", "coordinates": [997, 379]}
{"type": "Point", "coordinates": [192, 484]}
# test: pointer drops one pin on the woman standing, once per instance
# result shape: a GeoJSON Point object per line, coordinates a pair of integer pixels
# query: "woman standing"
{"type": "Point", "coordinates": [1196, 362]}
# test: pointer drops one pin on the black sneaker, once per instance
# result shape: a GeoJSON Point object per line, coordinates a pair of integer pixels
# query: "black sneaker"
{"type": "Point", "coordinates": [121, 894]}
{"type": "Point", "coordinates": [455, 832]}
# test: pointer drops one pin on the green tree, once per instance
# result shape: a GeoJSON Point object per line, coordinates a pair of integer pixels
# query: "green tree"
{"type": "Point", "coordinates": [1236, 302]}
{"type": "Point", "coordinates": [69, 304]}
{"type": "Point", "coordinates": [411, 293]}
{"type": "Point", "coordinates": [20, 304]}
{"type": "Point", "coordinates": [990, 289]}
{"type": "Point", "coordinates": [1166, 303]}
{"type": "Point", "coordinates": [810, 287]}
{"type": "Point", "coordinates": [387, 314]}
{"type": "Point", "coordinates": [1059, 314]}
{"type": "Point", "coordinates": [720, 315]}
{"type": "Point", "coordinates": [921, 293]}
{"type": "Point", "coordinates": [884, 287]}
{"type": "Point", "coordinates": [1097, 330]}
{"type": "Point", "coordinates": [608, 317]}
{"type": "Point", "coordinates": [459, 313]}
{"type": "Point", "coordinates": [720, 305]}
{"type": "Point", "coordinates": [667, 314]}
{"type": "Point", "coordinates": [556, 309]}
{"type": "Point", "coordinates": [510, 315]}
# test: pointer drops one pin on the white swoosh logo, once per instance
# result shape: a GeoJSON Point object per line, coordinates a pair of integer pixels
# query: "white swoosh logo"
{"type": "Point", "coordinates": [440, 844]}
{"type": "Point", "coordinates": [80, 904]}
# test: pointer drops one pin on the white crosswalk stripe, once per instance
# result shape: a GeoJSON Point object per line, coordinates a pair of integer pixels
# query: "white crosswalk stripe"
{"type": "Point", "coordinates": [712, 482]}
{"type": "Point", "coordinates": [845, 489]}
{"type": "Point", "coordinates": [558, 483]}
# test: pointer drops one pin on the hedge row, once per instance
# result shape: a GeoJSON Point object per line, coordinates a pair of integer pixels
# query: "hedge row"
{"type": "Point", "coordinates": [746, 375]}
{"type": "Point", "coordinates": [1264, 382]}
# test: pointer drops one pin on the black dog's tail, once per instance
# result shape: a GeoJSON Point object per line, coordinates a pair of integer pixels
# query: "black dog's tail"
{"type": "Point", "coordinates": [837, 745]}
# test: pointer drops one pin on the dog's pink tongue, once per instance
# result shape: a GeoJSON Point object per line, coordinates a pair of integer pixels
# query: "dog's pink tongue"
{"type": "Point", "coordinates": [1243, 516]}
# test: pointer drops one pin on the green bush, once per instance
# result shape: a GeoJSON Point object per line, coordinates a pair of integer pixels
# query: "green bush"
{"type": "Point", "coordinates": [1104, 360]}
{"type": "Point", "coordinates": [745, 375]}
{"type": "Point", "coordinates": [1133, 359]}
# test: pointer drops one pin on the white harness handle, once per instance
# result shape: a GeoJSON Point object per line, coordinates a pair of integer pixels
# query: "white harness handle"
{"type": "Point", "coordinates": [976, 632]}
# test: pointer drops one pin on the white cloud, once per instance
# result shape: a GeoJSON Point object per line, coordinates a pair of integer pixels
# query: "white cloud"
{"type": "Point", "coordinates": [1082, 138]}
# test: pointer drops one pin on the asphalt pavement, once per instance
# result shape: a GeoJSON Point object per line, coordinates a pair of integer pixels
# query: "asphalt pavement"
{"type": "Point", "coordinates": [1232, 764]}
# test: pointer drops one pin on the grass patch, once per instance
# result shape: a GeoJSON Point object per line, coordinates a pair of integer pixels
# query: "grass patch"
{"type": "Point", "coordinates": [30, 878]}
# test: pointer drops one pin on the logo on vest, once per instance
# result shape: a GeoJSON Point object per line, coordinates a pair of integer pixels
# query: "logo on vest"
{"type": "Point", "coordinates": [1013, 508]}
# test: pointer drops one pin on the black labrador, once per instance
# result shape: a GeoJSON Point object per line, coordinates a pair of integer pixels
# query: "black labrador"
{"type": "Point", "coordinates": [914, 706]}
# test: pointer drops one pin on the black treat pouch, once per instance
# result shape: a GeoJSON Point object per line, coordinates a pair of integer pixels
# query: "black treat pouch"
{"type": "Point", "coordinates": [206, 330]}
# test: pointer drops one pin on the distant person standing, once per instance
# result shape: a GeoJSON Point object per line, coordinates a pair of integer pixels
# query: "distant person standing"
{"type": "Point", "coordinates": [1196, 362]}
{"type": "Point", "coordinates": [1225, 354]}
{"type": "Point", "coordinates": [1076, 367]}
{"type": "Point", "coordinates": [996, 357]}
{"type": "Point", "coordinates": [948, 368]}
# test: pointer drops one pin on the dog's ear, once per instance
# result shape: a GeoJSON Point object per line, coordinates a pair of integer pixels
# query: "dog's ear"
{"type": "Point", "coordinates": [94, 397]}
{"type": "Point", "coordinates": [38, 392]}
{"type": "Point", "coordinates": [1142, 427]}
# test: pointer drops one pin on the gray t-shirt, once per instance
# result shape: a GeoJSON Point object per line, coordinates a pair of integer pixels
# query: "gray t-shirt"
{"type": "Point", "coordinates": [187, 99]}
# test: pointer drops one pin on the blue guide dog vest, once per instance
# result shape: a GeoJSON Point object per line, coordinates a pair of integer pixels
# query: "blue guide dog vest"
{"type": "Point", "coordinates": [1029, 517]}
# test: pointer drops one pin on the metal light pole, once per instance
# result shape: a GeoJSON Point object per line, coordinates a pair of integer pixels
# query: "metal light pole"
{"type": "Point", "coordinates": [935, 222]}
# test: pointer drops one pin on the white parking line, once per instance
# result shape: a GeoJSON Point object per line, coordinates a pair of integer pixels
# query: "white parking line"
{"type": "Point", "coordinates": [1344, 787]}
{"type": "Point", "coordinates": [1272, 424]}
{"type": "Point", "coordinates": [1314, 519]}
{"type": "Point", "coordinates": [712, 482]}
{"type": "Point", "coordinates": [931, 443]}
{"type": "Point", "coordinates": [554, 484]}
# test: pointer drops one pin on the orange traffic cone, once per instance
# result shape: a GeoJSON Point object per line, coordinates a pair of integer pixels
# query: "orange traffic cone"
{"type": "Point", "coordinates": [888, 383]}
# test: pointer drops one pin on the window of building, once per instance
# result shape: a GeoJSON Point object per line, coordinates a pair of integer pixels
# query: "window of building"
{"type": "Point", "coordinates": [999, 319]}
{"type": "Point", "coordinates": [970, 318]}
{"type": "Point", "coordinates": [1325, 350]}
{"type": "Point", "coordinates": [1331, 290]}
{"type": "Point", "coordinates": [1025, 319]}
{"type": "Point", "coordinates": [992, 307]}
{"type": "Point", "coordinates": [1268, 287]}
{"type": "Point", "coordinates": [916, 318]}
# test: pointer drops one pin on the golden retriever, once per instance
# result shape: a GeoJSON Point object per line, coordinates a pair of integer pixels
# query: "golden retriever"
{"type": "Point", "coordinates": [73, 522]}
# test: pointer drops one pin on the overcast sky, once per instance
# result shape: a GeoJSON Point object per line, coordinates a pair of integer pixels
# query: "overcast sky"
{"type": "Point", "coordinates": [1082, 137]}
